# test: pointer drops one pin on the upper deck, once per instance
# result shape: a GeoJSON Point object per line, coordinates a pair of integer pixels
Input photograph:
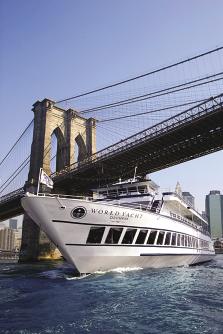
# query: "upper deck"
{"type": "Point", "coordinates": [127, 189]}
{"type": "Point", "coordinates": [175, 206]}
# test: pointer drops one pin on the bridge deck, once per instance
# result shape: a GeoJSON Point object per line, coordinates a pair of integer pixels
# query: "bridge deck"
{"type": "Point", "coordinates": [184, 137]}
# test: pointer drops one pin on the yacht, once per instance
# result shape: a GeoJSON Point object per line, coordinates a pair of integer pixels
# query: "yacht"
{"type": "Point", "coordinates": [126, 225]}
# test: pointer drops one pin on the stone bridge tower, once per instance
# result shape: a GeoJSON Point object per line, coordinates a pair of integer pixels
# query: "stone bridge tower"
{"type": "Point", "coordinates": [69, 127]}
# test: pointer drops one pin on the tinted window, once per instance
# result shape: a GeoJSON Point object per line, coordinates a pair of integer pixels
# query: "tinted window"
{"type": "Point", "coordinates": [122, 191]}
{"type": "Point", "coordinates": [173, 242]}
{"type": "Point", "coordinates": [113, 235]}
{"type": "Point", "coordinates": [178, 239]}
{"type": "Point", "coordinates": [95, 235]}
{"type": "Point", "coordinates": [112, 193]}
{"type": "Point", "coordinates": [104, 193]}
{"type": "Point", "coordinates": [142, 189]}
{"type": "Point", "coordinates": [132, 190]}
{"type": "Point", "coordinates": [129, 236]}
{"type": "Point", "coordinates": [189, 241]}
{"type": "Point", "coordinates": [152, 237]}
{"type": "Point", "coordinates": [182, 240]}
{"type": "Point", "coordinates": [141, 237]}
{"type": "Point", "coordinates": [167, 240]}
{"type": "Point", "coordinates": [196, 243]}
{"type": "Point", "coordinates": [160, 238]}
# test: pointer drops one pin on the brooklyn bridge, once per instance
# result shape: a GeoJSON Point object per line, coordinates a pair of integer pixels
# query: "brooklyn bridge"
{"type": "Point", "coordinates": [154, 121]}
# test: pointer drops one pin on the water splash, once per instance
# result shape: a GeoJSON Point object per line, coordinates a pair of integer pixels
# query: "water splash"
{"type": "Point", "coordinates": [118, 270]}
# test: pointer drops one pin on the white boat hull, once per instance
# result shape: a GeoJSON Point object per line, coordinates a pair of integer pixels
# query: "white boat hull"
{"type": "Point", "coordinates": [70, 235]}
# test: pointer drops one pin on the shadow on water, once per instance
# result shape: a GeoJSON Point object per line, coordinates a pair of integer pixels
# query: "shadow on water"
{"type": "Point", "coordinates": [42, 269]}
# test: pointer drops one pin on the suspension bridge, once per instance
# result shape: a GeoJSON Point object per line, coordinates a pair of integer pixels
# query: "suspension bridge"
{"type": "Point", "coordinates": [153, 121]}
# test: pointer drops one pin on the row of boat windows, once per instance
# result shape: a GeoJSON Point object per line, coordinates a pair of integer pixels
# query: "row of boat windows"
{"type": "Point", "coordinates": [123, 191]}
{"type": "Point", "coordinates": [149, 237]}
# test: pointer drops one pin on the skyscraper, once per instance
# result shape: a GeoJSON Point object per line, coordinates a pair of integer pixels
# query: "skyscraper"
{"type": "Point", "coordinates": [214, 211]}
{"type": "Point", "coordinates": [7, 238]}
{"type": "Point", "coordinates": [13, 223]}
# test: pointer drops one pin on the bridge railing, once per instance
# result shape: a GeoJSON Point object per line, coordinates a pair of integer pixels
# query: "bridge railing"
{"type": "Point", "coordinates": [184, 117]}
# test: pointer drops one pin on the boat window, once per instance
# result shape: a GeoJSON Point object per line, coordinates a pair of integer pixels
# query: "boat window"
{"type": "Point", "coordinates": [178, 239]}
{"type": "Point", "coordinates": [142, 189]}
{"type": "Point", "coordinates": [95, 235]}
{"type": "Point", "coordinates": [167, 240]}
{"type": "Point", "coordinates": [182, 240]}
{"type": "Point", "coordinates": [185, 240]}
{"type": "Point", "coordinates": [141, 237]}
{"type": "Point", "coordinates": [113, 235]}
{"type": "Point", "coordinates": [152, 237]}
{"type": "Point", "coordinates": [196, 243]}
{"type": "Point", "coordinates": [129, 236]}
{"type": "Point", "coordinates": [122, 191]}
{"type": "Point", "coordinates": [173, 242]}
{"type": "Point", "coordinates": [160, 238]}
{"type": "Point", "coordinates": [132, 189]}
{"type": "Point", "coordinates": [104, 193]}
{"type": "Point", "coordinates": [112, 192]}
{"type": "Point", "coordinates": [189, 241]}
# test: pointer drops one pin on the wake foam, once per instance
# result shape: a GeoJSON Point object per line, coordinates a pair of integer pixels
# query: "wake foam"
{"type": "Point", "coordinates": [77, 277]}
{"type": "Point", "coordinates": [118, 270]}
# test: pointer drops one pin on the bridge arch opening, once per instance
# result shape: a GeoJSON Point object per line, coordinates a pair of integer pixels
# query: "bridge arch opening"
{"type": "Point", "coordinates": [59, 154]}
{"type": "Point", "coordinates": [80, 148]}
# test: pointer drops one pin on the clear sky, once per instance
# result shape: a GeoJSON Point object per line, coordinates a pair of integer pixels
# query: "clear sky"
{"type": "Point", "coordinates": [60, 48]}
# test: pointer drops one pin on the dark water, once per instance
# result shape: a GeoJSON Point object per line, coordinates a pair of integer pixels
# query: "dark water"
{"type": "Point", "coordinates": [48, 298]}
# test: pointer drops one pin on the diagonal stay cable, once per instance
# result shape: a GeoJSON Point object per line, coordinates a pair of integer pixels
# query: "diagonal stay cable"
{"type": "Point", "coordinates": [143, 75]}
{"type": "Point", "coordinates": [15, 175]}
{"type": "Point", "coordinates": [16, 143]}
{"type": "Point", "coordinates": [150, 95]}
{"type": "Point", "coordinates": [25, 161]}
{"type": "Point", "coordinates": [152, 111]}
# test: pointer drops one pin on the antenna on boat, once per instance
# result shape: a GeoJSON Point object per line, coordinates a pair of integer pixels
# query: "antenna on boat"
{"type": "Point", "coordinates": [135, 174]}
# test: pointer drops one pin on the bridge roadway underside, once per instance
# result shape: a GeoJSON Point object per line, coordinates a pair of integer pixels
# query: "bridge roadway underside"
{"type": "Point", "coordinates": [10, 209]}
{"type": "Point", "coordinates": [185, 142]}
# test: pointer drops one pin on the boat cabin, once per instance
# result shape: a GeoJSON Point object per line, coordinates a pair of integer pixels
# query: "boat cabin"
{"type": "Point", "coordinates": [127, 189]}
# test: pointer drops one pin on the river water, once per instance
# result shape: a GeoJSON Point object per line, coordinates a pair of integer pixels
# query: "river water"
{"type": "Point", "coordinates": [51, 298]}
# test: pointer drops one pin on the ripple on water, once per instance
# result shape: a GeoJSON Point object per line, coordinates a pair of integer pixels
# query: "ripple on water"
{"type": "Point", "coordinates": [54, 299]}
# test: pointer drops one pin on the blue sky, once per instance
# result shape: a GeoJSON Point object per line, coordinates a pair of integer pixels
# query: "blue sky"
{"type": "Point", "coordinates": [58, 49]}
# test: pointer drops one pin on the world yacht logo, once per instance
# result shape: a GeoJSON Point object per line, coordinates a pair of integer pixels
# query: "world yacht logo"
{"type": "Point", "coordinates": [79, 212]}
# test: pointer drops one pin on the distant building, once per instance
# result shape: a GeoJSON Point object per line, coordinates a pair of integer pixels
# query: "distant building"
{"type": "Point", "coordinates": [185, 194]}
{"type": "Point", "coordinates": [188, 197]}
{"type": "Point", "coordinates": [178, 189]}
{"type": "Point", "coordinates": [214, 212]}
{"type": "Point", "coordinates": [2, 225]}
{"type": "Point", "coordinates": [18, 240]}
{"type": "Point", "coordinates": [13, 223]}
{"type": "Point", "coordinates": [204, 215]}
{"type": "Point", "coordinates": [7, 238]}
